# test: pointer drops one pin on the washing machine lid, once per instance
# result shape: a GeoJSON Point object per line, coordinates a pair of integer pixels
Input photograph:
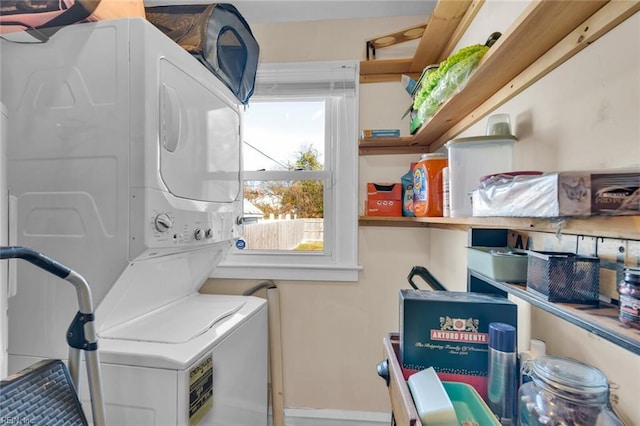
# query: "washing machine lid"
{"type": "Point", "coordinates": [177, 322]}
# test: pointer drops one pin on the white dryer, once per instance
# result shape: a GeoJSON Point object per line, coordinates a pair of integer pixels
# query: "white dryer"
{"type": "Point", "coordinates": [124, 158]}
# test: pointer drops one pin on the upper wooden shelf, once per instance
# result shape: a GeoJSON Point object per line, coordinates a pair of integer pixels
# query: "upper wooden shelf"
{"type": "Point", "coordinates": [442, 31]}
{"type": "Point", "coordinates": [543, 37]}
{"type": "Point", "coordinates": [623, 227]}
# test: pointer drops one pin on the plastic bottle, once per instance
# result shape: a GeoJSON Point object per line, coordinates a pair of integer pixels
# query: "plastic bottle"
{"type": "Point", "coordinates": [407, 192]}
{"type": "Point", "coordinates": [446, 201]}
{"type": "Point", "coordinates": [502, 387]}
{"type": "Point", "coordinates": [427, 185]}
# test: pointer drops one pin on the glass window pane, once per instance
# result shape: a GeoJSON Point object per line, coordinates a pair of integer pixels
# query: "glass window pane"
{"type": "Point", "coordinates": [276, 133]}
{"type": "Point", "coordinates": [284, 215]}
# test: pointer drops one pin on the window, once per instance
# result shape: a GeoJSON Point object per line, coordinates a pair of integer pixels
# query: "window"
{"type": "Point", "coordinates": [300, 175]}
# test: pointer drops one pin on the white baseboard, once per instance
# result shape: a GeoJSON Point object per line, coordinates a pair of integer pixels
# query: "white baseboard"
{"type": "Point", "coordinates": [320, 417]}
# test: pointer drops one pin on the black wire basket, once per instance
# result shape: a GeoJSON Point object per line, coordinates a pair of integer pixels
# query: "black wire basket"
{"type": "Point", "coordinates": [564, 277]}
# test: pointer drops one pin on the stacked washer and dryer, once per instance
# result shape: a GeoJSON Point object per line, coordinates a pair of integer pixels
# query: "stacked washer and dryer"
{"type": "Point", "coordinates": [124, 160]}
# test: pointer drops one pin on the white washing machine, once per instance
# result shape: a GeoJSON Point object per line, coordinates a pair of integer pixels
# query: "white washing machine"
{"type": "Point", "coordinates": [125, 163]}
{"type": "Point", "coordinates": [174, 367]}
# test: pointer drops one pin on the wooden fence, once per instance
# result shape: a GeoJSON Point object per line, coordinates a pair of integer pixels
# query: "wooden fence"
{"type": "Point", "coordinates": [282, 234]}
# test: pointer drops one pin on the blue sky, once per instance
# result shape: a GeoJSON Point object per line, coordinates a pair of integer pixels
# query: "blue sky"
{"type": "Point", "coordinates": [276, 132]}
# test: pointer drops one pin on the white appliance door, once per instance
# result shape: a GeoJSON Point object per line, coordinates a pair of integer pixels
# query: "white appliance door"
{"type": "Point", "coordinates": [199, 137]}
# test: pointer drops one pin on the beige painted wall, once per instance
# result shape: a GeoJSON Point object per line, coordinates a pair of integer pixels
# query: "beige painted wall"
{"type": "Point", "coordinates": [583, 115]}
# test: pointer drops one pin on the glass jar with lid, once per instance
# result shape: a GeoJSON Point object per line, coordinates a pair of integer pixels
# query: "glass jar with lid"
{"type": "Point", "coordinates": [565, 392]}
{"type": "Point", "coordinates": [629, 291]}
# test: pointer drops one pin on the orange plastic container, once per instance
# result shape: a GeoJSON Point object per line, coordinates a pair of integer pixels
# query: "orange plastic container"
{"type": "Point", "coordinates": [427, 185]}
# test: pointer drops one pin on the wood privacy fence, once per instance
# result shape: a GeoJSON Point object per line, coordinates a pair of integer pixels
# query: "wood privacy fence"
{"type": "Point", "coordinates": [282, 234]}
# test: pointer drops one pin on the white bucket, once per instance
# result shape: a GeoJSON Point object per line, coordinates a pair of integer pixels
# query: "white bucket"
{"type": "Point", "coordinates": [469, 160]}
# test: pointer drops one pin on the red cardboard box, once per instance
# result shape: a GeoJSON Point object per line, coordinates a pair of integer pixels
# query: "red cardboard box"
{"type": "Point", "coordinates": [383, 207]}
{"type": "Point", "coordinates": [384, 191]}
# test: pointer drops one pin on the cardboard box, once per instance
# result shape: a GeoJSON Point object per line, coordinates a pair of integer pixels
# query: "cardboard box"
{"type": "Point", "coordinates": [380, 133]}
{"type": "Point", "coordinates": [384, 191]}
{"type": "Point", "coordinates": [561, 194]}
{"type": "Point", "coordinates": [449, 331]}
{"type": "Point", "coordinates": [383, 208]}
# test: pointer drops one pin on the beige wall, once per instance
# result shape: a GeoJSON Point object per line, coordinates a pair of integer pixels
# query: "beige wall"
{"type": "Point", "coordinates": [583, 115]}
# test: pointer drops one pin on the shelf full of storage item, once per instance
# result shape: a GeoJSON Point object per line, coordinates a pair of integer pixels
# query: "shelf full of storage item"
{"type": "Point", "coordinates": [547, 34]}
{"type": "Point", "coordinates": [625, 227]}
{"type": "Point", "coordinates": [601, 320]}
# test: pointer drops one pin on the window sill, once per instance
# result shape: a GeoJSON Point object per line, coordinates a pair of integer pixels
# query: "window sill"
{"type": "Point", "coordinates": [289, 272]}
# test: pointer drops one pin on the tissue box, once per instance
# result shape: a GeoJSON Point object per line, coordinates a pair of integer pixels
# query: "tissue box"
{"type": "Point", "coordinates": [383, 199]}
{"type": "Point", "coordinates": [560, 194]}
{"type": "Point", "coordinates": [383, 208]}
{"type": "Point", "coordinates": [449, 331]}
{"type": "Point", "coordinates": [384, 191]}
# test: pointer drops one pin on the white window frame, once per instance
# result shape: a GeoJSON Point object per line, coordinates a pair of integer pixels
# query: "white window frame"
{"type": "Point", "coordinates": [339, 259]}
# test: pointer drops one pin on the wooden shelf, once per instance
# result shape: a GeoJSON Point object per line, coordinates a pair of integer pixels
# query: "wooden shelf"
{"type": "Point", "coordinates": [541, 26]}
{"type": "Point", "coordinates": [384, 146]}
{"type": "Point", "coordinates": [623, 227]}
{"type": "Point", "coordinates": [442, 30]}
{"type": "Point", "coordinates": [601, 320]}
{"type": "Point", "coordinates": [547, 34]}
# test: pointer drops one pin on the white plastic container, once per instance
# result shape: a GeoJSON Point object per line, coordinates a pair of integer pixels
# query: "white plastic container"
{"type": "Point", "coordinates": [470, 159]}
{"type": "Point", "coordinates": [431, 399]}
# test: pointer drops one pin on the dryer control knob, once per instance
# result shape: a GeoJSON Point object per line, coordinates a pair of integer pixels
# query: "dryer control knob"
{"type": "Point", "coordinates": [163, 222]}
{"type": "Point", "coordinates": [209, 233]}
{"type": "Point", "coordinates": [198, 234]}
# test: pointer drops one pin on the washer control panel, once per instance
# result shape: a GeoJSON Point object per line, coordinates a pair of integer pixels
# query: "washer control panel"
{"type": "Point", "coordinates": [189, 227]}
{"type": "Point", "coordinates": [169, 224]}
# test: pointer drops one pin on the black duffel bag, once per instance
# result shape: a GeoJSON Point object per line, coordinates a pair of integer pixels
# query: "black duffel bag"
{"type": "Point", "coordinates": [218, 36]}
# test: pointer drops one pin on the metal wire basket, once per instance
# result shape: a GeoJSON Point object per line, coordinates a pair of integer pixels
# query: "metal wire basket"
{"type": "Point", "coordinates": [564, 277]}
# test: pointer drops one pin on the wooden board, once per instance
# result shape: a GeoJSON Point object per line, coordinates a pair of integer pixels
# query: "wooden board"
{"type": "Point", "coordinates": [442, 24]}
{"type": "Point", "coordinates": [404, 411]}
{"type": "Point", "coordinates": [606, 18]}
{"type": "Point", "coordinates": [377, 146]}
{"type": "Point", "coordinates": [386, 66]}
{"type": "Point", "coordinates": [624, 227]}
{"type": "Point", "coordinates": [462, 27]}
{"type": "Point", "coordinates": [537, 30]}
{"type": "Point", "coordinates": [396, 37]}
{"type": "Point", "coordinates": [444, 21]}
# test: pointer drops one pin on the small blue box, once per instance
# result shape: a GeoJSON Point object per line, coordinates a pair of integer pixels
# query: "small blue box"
{"type": "Point", "coordinates": [380, 133]}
